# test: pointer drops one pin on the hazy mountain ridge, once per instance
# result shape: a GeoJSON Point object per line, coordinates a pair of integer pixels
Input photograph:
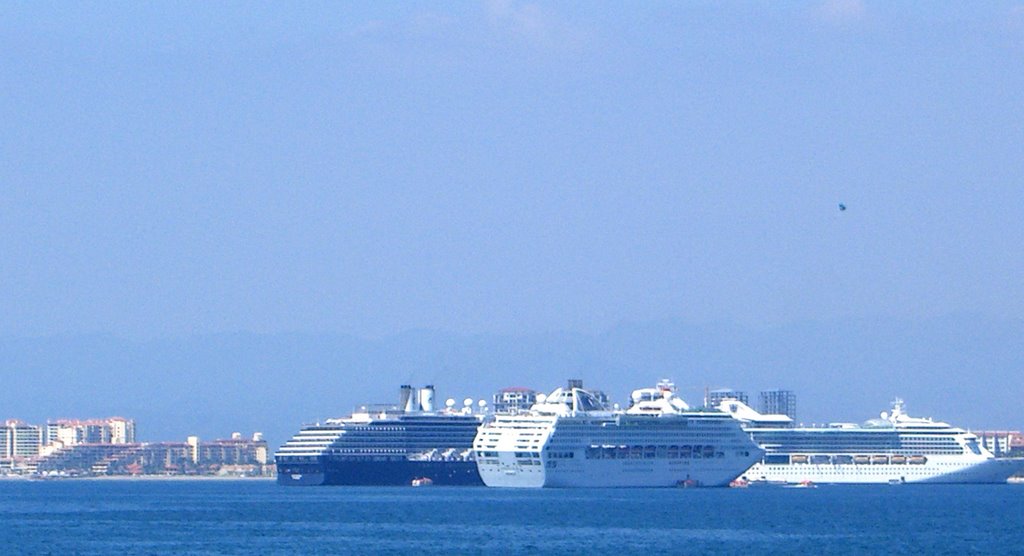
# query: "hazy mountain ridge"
{"type": "Point", "coordinates": [962, 369]}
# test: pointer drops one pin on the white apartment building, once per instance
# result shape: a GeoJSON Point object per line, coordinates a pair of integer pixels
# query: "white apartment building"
{"type": "Point", "coordinates": [20, 440]}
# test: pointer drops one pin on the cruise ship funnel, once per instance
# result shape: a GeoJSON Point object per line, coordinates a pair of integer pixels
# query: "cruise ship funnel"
{"type": "Point", "coordinates": [426, 396]}
{"type": "Point", "coordinates": [405, 397]}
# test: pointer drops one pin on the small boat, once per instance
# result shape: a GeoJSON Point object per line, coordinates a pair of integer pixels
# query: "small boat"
{"type": "Point", "coordinates": [861, 459]}
{"type": "Point", "coordinates": [918, 460]}
{"type": "Point", "coordinates": [798, 458]}
{"type": "Point", "coordinates": [899, 459]}
{"type": "Point", "coordinates": [879, 460]}
{"type": "Point", "coordinates": [687, 483]}
{"type": "Point", "coordinates": [739, 483]}
{"type": "Point", "coordinates": [422, 482]}
{"type": "Point", "coordinates": [806, 483]}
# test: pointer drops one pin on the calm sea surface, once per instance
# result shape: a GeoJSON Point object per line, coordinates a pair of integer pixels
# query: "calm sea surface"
{"type": "Point", "coordinates": [258, 517]}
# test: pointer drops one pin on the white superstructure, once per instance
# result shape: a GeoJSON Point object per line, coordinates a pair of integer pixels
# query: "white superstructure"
{"type": "Point", "coordinates": [895, 448]}
{"type": "Point", "coordinates": [570, 438]}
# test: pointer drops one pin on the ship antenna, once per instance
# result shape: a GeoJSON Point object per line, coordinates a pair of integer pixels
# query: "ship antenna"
{"type": "Point", "coordinates": [897, 406]}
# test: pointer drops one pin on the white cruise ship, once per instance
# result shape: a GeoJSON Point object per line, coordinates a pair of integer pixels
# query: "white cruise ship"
{"type": "Point", "coordinates": [895, 448]}
{"type": "Point", "coordinates": [571, 438]}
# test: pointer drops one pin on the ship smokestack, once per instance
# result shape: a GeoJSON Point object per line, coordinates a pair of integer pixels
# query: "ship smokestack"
{"type": "Point", "coordinates": [427, 398]}
{"type": "Point", "coordinates": [405, 400]}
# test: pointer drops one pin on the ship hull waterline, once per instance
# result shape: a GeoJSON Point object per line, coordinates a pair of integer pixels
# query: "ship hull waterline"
{"type": "Point", "coordinates": [612, 474]}
{"type": "Point", "coordinates": [378, 473]}
{"type": "Point", "coordinates": [990, 471]}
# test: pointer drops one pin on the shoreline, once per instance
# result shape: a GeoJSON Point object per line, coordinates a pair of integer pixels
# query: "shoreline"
{"type": "Point", "coordinates": [136, 478]}
{"type": "Point", "coordinates": [171, 478]}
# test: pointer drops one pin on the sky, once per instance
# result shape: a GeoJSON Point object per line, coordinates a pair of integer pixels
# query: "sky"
{"type": "Point", "coordinates": [173, 170]}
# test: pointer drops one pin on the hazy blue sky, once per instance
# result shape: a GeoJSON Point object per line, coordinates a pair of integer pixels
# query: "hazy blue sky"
{"type": "Point", "coordinates": [169, 169]}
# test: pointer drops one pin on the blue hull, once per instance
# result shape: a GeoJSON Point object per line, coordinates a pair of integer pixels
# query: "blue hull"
{"type": "Point", "coordinates": [378, 473]}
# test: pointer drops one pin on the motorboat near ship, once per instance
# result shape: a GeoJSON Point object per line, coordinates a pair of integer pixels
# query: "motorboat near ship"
{"type": "Point", "coordinates": [572, 438]}
{"type": "Point", "coordinates": [895, 448]}
{"type": "Point", "coordinates": [408, 444]}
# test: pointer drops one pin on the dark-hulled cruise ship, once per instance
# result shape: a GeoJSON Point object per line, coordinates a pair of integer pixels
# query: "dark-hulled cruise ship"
{"type": "Point", "coordinates": [411, 443]}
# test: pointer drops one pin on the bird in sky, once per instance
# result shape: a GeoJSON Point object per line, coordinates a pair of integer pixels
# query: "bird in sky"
{"type": "Point", "coordinates": [842, 207]}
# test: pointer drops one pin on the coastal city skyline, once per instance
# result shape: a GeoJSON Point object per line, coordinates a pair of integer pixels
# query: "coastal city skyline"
{"type": "Point", "coordinates": [119, 430]}
{"type": "Point", "coordinates": [108, 447]}
{"type": "Point", "coordinates": [102, 447]}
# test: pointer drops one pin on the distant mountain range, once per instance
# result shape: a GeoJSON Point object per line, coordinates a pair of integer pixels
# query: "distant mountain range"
{"type": "Point", "coordinates": [963, 369]}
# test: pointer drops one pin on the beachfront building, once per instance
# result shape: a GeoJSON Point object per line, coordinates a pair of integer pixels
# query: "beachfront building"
{"type": "Point", "coordinates": [70, 432]}
{"type": "Point", "coordinates": [19, 440]}
{"type": "Point", "coordinates": [235, 456]}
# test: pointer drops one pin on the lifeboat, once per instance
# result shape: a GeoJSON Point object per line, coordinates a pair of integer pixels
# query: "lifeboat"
{"type": "Point", "coordinates": [879, 460]}
{"type": "Point", "coordinates": [422, 481]}
{"type": "Point", "coordinates": [861, 459]}
{"type": "Point", "coordinates": [899, 459]}
{"type": "Point", "coordinates": [918, 460]}
{"type": "Point", "coordinates": [798, 458]}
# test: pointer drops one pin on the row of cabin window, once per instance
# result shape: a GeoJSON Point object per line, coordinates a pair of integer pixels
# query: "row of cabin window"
{"type": "Point", "coordinates": [654, 452]}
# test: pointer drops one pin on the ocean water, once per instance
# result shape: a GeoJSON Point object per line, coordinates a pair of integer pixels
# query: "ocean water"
{"type": "Point", "coordinates": [259, 517]}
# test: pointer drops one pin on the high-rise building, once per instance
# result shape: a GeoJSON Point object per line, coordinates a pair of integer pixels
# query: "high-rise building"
{"type": "Point", "coordinates": [52, 435]}
{"type": "Point", "coordinates": [193, 446]}
{"type": "Point", "coordinates": [778, 402]}
{"type": "Point", "coordinates": [70, 432]}
{"type": "Point", "coordinates": [95, 432]}
{"type": "Point", "coordinates": [21, 440]}
{"type": "Point", "coordinates": [122, 431]}
{"type": "Point", "coordinates": [514, 399]}
{"type": "Point", "coordinates": [715, 397]}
